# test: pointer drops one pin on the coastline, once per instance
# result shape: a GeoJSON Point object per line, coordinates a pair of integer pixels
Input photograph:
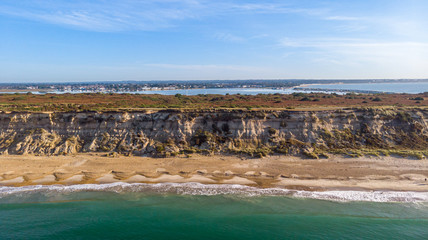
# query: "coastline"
{"type": "Point", "coordinates": [337, 173]}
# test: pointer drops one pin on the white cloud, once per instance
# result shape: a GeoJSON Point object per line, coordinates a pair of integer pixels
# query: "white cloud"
{"type": "Point", "coordinates": [228, 37]}
{"type": "Point", "coordinates": [273, 8]}
{"type": "Point", "coordinates": [346, 42]}
{"type": "Point", "coordinates": [111, 15]}
{"type": "Point", "coordinates": [343, 18]}
{"type": "Point", "coordinates": [105, 15]}
{"type": "Point", "coordinates": [364, 56]}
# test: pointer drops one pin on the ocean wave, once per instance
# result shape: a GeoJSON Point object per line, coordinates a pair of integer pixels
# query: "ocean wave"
{"type": "Point", "coordinates": [219, 189]}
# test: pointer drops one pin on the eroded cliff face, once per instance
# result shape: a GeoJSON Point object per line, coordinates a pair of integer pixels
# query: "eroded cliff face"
{"type": "Point", "coordinates": [166, 133]}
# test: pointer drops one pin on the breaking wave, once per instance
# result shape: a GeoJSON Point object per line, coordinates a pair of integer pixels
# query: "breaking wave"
{"type": "Point", "coordinates": [217, 189]}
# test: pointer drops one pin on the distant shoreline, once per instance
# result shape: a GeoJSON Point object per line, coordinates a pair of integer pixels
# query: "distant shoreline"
{"type": "Point", "coordinates": [340, 90]}
{"type": "Point", "coordinates": [194, 85]}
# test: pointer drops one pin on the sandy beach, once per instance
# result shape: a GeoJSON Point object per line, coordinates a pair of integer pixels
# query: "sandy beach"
{"type": "Point", "coordinates": [337, 172]}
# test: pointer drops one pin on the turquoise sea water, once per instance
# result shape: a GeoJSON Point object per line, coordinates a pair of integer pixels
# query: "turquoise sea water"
{"type": "Point", "coordinates": [202, 212]}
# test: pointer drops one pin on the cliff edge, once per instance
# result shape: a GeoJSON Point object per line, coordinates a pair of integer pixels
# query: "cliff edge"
{"type": "Point", "coordinates": [256, 133]}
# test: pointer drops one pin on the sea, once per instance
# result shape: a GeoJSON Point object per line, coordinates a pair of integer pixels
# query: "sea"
{"type": "Point", "coordinates": [411, 87]}
{"type": "Point", "coordinates": [342, 88]}
{"type": "Point", "coordinates": [197, 211]}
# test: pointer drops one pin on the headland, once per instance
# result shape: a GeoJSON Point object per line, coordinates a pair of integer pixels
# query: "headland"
{"type": "Point", "coordinates": [309, 146]}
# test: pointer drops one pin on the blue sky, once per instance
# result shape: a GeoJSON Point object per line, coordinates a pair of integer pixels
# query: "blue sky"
{"type": "Point", "coordinates": [106, 40]}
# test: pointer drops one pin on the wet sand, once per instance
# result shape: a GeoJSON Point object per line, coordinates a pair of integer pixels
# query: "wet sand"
{"type": "Point", "coordinates": [337, 172]}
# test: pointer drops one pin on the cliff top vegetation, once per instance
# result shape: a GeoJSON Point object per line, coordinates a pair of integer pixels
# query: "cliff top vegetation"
{"type": "Point", "coordinates": [134, 102]}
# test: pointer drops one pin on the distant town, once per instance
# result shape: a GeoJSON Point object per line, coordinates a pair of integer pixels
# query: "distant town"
{"type": "Point", "coordinates": [139, 86]}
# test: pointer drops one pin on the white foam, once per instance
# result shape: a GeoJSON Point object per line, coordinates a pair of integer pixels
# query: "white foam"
{"type": "Point", "coordinates": [222, 189]}
{"type": "Point", "coordinates": [365, 196]}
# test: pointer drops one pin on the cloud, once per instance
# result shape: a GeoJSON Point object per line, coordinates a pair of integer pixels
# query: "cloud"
{"type": "Point", "coordinates": [107, 15]}
{"type": "Point", "coordinates": [111, 15]}
{"type": "Point", "coordinates": [390, 58]}
{"type": "Point", "coordinates": [347, 43]}
{"type": "Point", "coordinates": [342, 18]}
{"type": "Point", "coordinates": [228, 37]}
{"type": "Point", "coordinates": [273, 8]}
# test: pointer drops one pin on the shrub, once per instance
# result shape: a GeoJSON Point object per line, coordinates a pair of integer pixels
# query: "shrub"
{"type": "Point", "coordinates": [160, 148]}
{"type": "Point", "coordinates": [271, 131]}
{"type": "Point", "coordinates": [306, 99]}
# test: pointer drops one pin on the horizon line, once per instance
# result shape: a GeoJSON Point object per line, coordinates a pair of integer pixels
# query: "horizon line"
{"type": "Point", "coordinates": [208, 80]}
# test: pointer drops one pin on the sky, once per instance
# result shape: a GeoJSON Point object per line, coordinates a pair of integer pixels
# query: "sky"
{"type": "Point", "coordinates": [112, 40]}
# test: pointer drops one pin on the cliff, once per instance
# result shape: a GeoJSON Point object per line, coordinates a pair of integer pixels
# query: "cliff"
{"type": "Point", "coordinates": [256, 133]}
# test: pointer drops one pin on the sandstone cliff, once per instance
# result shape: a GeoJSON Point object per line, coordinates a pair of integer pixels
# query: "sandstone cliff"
{"type": "Point", "coordinates": [257, 133]}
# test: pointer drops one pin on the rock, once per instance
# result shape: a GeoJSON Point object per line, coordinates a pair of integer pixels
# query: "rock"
{"type": "Point", "coordinates": [248, 133]}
